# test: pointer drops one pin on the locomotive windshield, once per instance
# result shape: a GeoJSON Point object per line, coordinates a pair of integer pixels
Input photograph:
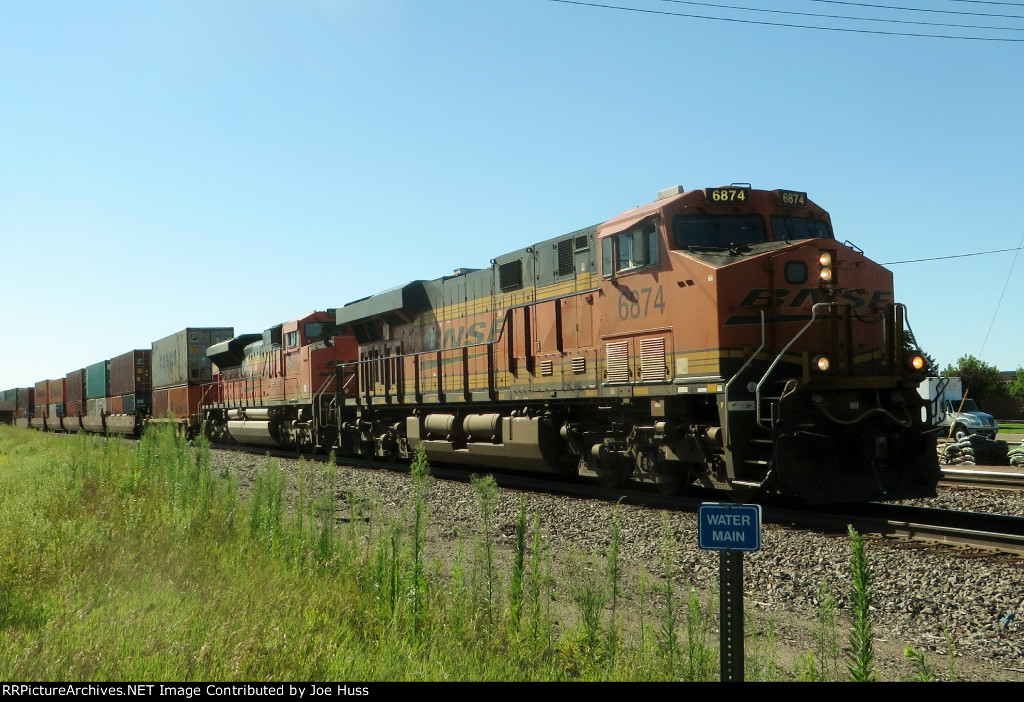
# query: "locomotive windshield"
{"type": "Point", "coordinates": [717, 231]}
{"type": "Point", "coordinates": [317, 330]}
{"type": "Point", "coordinates": [792, 228]}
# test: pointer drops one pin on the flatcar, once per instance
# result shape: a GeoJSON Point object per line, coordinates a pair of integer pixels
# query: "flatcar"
{"type": "Point", "coordinates": [720, 337]}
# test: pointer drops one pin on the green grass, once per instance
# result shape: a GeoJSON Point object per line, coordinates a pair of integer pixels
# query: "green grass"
{"type": "Point", "coordinates": [124, 562]}
{"type": "Point", "coordinates": [129, 562]}
{"type": "Point", "coordinates": [1012, 427]}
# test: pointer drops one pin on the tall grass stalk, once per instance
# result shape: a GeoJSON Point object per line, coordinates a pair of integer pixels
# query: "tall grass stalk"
{"type": "Point", "coordinates": [861, 654]}
{"type": "Point", "coordinates": [923, 671]}
{"type": "Point", "coordinates": [485, 568]}
{"type": "Point", "coordinates": [537, 584]}
{"type": "Point", "coordinates": [668, 631]}
{"type": "Point", "coordinates": [518, 578]}
{"type": "Point", "coordinates": [417, 576]}
{"type": "Point", "coordinates": [826, 634]}
{"type": "Point", "coordinates": [614, 573]}
{"type": "Point", "coordinates": [951, 670]}
{"type": "Point", "coordinates": [701, 656]}
{"type": "Point", "coordinates": [590, 598]}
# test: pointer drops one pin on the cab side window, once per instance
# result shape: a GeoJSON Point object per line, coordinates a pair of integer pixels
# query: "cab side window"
{"type": "Point", "coordinates": [633, 249]}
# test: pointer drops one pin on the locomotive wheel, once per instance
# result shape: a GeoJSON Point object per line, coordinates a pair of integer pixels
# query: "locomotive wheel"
{"type": "Point", "coordinates": [609, 473]}
{"type": "Point", "coordinates": [669, 478]}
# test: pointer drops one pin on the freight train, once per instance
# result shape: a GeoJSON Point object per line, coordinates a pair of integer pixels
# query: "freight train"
{"type": "Point", "coordinates": [719, 337]}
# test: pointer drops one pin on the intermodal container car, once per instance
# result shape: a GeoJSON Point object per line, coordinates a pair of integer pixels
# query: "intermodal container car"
{"type": "Point", "coordinates": [180, 359]}
{"type": "Point", "coordinates": [130, 372]}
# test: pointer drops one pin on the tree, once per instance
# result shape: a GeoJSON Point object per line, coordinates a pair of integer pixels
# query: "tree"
{"type": "Point", "coordinates": [980, 379]}
{"type": "Point", "coordinates": [1015, 389]}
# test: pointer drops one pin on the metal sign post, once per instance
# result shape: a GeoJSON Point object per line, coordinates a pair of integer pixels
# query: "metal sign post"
{"type": "Point", "coordinates": [730, 529]}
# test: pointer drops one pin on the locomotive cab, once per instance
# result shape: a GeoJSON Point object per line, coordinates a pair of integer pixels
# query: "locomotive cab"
{"type": "Point", "coordinates": [774, 357]}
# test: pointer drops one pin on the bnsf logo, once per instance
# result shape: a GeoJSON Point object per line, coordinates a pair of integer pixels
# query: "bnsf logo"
{"type": "Point", "coordinates": [455, 337]}
{"type": "Point", "coordinates": [784, 297]}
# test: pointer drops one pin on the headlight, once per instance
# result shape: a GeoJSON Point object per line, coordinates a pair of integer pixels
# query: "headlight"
{"type": "Point", "coordinates": [826, 267]}
{"type": "Point", "coordinates": [822, 363]}
{"type": "Point", "coordinates": [917, 362]}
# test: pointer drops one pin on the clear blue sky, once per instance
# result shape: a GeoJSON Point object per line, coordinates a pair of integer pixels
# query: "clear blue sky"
{"type": "Point", "coordinates": [239, 163]}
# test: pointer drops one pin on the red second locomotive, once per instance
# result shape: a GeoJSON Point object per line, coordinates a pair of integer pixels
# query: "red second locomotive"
{"type": "Point", "coordinates": [278, 388]}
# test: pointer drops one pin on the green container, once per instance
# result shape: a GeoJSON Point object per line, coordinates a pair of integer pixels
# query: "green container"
{"type": "Point", "coordinates": [9, 395]}
{"type": "Point", "coordinates": [97, 380]}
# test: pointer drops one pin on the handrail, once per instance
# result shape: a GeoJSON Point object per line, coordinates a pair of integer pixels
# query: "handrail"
{"type": "Point", "coordinates": [318, 395]}
{"type": "Point", "coordinates": [725, 425]}
{"type": "Point", "coordinates": [778, 358]}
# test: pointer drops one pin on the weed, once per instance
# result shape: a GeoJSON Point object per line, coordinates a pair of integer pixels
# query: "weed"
{"type": "Point", "coordinates": [923, 672]}
{"type": "Point", "coordinates": [861, 654]}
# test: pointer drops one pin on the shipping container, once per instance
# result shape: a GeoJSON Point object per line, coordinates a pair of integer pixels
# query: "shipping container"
{"type": "Point", "coordinates": [114, 405]}
{"type": "Point", "coordinates": [130, 373]}
{"type": "Point", "coordinates": [97, 380]}
{"type": "Point", "coordinates": [180, 402]}
{"type": "Point", "coordinates": [55, 394]}
{"type": "Point", "coordinates": [141, 402]}
{"type": "Point", "coordinates": [56, 410]}
{"type": "Point", "coordinates": [26, 403]}
{"type": "Point", "coordinates": [26, 399]}
{"type": "Point", "coordinates": [42, 396]}
{"type": "Point", "coordinates": [180, 359]}
{"type": "Point", "coordinates": [74, 386]}
{"type": "Point", "coordinates": [96, 407]}
{"type": "Point", "coordinates": [73, 408]}
{"type": "Point", "coordinates": [8, 405]}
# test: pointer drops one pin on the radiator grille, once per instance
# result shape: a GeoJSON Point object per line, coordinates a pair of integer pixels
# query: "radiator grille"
{"type": "Point", "coordinates": [652, 359]}
{"type": "Point", "coordinates": [579, 365]}
{"type": "Point", "coordinates": [565, 266]}
{"type": "Point", "coordinates": [617, 361]}
{"type": "Point", "coordinates": [547, 368]}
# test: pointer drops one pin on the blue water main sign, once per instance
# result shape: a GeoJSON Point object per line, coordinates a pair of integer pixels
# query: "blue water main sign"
{"type": "Point", "coordinates": [723, 526]}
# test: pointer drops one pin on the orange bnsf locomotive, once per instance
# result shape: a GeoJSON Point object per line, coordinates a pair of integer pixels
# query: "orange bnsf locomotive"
{"type": "Point", "coordinates": [718, 337]}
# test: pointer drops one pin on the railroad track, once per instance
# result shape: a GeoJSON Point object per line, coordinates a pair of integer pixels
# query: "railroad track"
{"type": "Point", "coordinates": [990, 479]}
{"type": "Point", "coordinates": [985, 532]}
